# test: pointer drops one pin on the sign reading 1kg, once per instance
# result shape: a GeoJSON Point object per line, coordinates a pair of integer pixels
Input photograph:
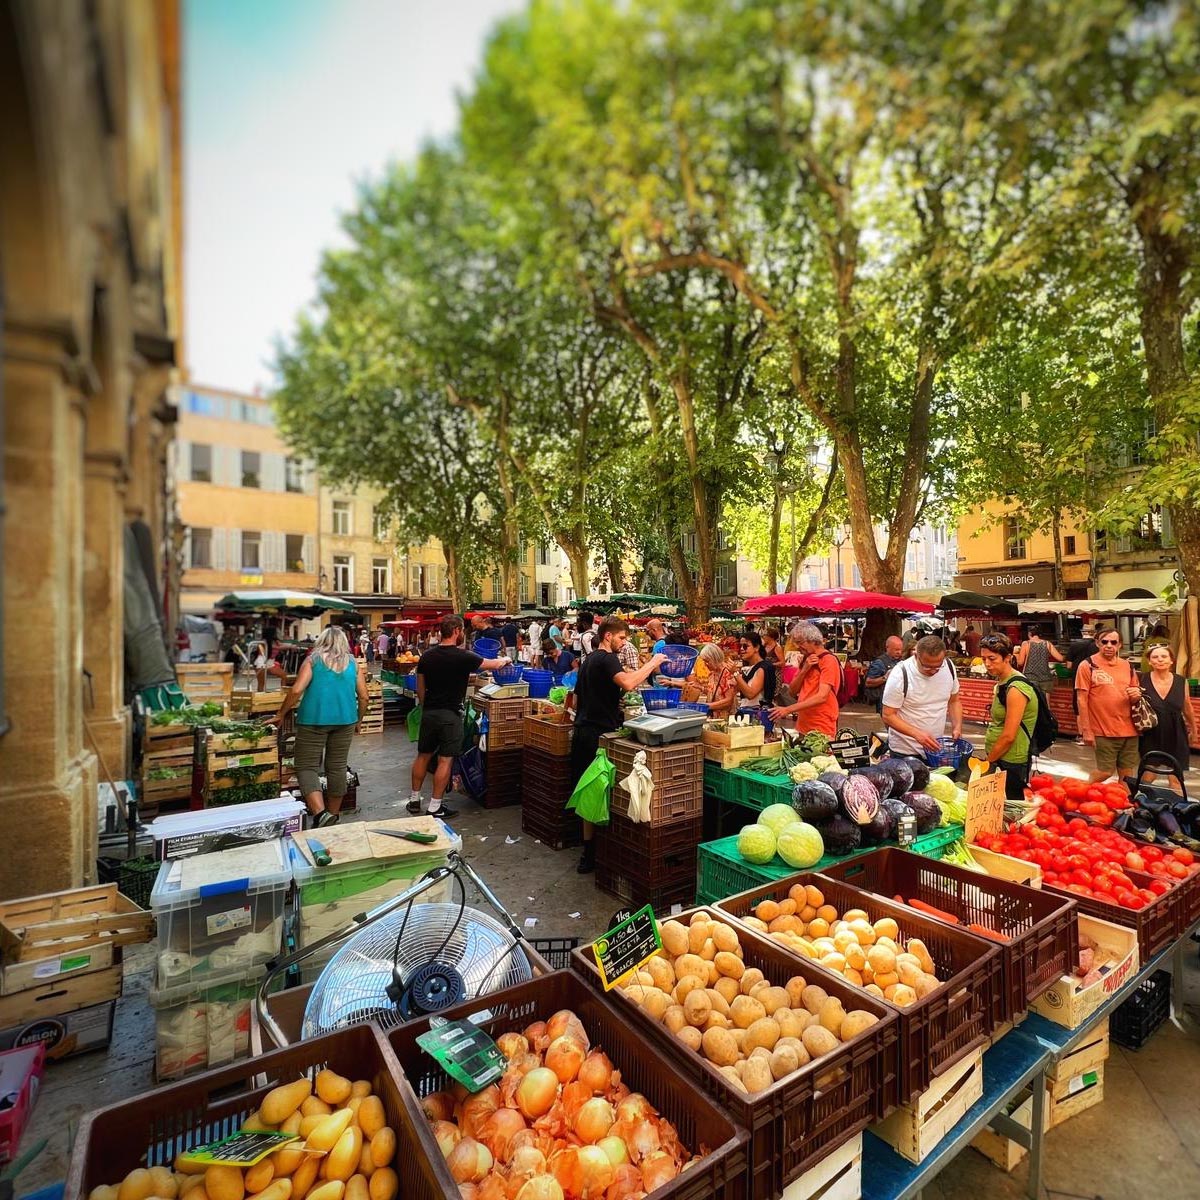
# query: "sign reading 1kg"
{"type": "Point", "coordinates": [626, 946]}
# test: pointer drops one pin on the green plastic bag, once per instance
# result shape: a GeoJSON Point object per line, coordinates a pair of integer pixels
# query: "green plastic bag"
{"type": "Point", "coordinates": [470, 728]}
{"type": "Point", "coordinates": [557, 695]}
{"type": "Point", "coordinates": [414, 723]}
{"type": "Point", "coordinates": [590, 797]}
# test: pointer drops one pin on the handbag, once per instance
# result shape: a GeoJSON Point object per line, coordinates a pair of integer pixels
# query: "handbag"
{"type": "Point", "coordinates": [1143, 714]}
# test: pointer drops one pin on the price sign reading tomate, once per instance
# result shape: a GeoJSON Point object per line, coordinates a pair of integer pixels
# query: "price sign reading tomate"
{"type": "Point", "coordinates": [985, 805]}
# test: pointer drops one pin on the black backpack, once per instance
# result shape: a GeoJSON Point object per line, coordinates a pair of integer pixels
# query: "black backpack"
{"type": "Point", "coordinates": [1045, 730]}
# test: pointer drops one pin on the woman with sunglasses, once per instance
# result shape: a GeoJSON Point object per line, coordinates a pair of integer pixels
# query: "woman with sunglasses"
{"type": "Point", "coordinates": [756, 684]}
{"type": "Point", "coordinates": [1013, 716]}
{"type": "Point", "coordinates": [1105, 687]}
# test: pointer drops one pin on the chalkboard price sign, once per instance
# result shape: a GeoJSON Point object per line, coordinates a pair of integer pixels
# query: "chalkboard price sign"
{"type": "Point", "coordinates": [626, 946]}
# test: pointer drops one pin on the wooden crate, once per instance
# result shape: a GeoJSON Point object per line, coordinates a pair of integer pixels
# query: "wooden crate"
{"type": "Point", "coordinates": [51, 925]}
{"type": "Point", "coordinates": [1004, 866]}
{"type": "Point", "coordinates": [838, 1176]}
{"type": "Point", "coordinates": [252, 704]}
{"type": "Point", "coordinates": [1087, 1095]}
{"type": "Point", "coordinates": [205, 681]}
{"type": "Point", "coordinates": [1091, 1053]}
{"type": "Point", "coordinates": [372, 721]}
{"type": "Point", "coordinates": [735, 737]}
{"type": "Point", "coordinates": [915, 1129]}
{"type": "Point", "coordinates": [61, 996]}
{"type": "Point", "coordinates": [155, 792]}
{"type": "Point", "coordinates": [726, 758]}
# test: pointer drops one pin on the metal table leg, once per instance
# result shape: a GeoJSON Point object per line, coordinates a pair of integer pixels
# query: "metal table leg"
{"type": "Point", "coordinates": [1177, 978]}
{"type": "Point", "coordinates": [1037, 1126]}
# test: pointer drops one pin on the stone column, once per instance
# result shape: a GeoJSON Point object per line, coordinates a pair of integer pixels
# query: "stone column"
{"type": "Point", "coordinates": [47, 775]}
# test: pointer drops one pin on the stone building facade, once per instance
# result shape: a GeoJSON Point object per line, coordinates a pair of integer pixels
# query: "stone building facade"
{"type": "Point", "coordinates": [89, 305]}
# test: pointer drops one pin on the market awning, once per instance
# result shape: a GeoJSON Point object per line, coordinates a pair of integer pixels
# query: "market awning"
{"type": "Point", "coordinates": [1099, 608]}
{"type": "Point", "coordinates": [300, 604]}
{"type": "Point", "coordinates": [831, 601]}
{"type": "Point", "coordinates": [960, 601]}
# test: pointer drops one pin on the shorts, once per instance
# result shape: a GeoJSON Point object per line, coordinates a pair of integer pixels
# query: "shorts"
{"type": "Point", "coordinates": [441, 733]}
{"type": "Point", "coordinates": [1015, 779]}
{"type": "Point", "coordinates": [585, 741]}
{"type": "Point", "coordinates": [1119, 754]}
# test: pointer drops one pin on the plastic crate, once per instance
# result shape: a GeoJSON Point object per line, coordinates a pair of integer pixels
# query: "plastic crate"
{"type": "Point", "coordinates": [661, 697]}
{"type": "Point", "coordinates": [678, 773]}
{"type": "Point", "coordinates": [151, 1129]}
{"type": "Point", "coordinates": [721, 784]}
{"type": "Point", "coordinates": [1133, 1023]}
{"type": "Point", "coordinates": [134, 877]}
{"type": "Point", "coordinates": [939, 1029]}
{"type": "Point", "coordinates": [651, 855]}
{"type": "Point", "coordinates": [721, 1174]}
{"type": "Point", "coordinates": [1042, 929]}
{"type": "Point", "coordinates": [556, 951]}
{"type": "Point", "coordinates": [551, 770]}
{"type": "Point", "coordinates": [1156, 925]}
{"type": "Point", "coordinates": [503, 771]}
{"type": "Point", "coordinates": [808, 1114]}
{"type": "Point", "coordinates": [759, 791]}
{"type": "Point", "coordinates": [505, 722]}
{"type": "Point", "coordinates": [1187, 903]}
{"type": "Point", "coordinates": [552, 738]}
{"type": "Point", "coordinates": [228, 916]}
{"type": "Point", "coordinates": [673, 887]}
{"type": "Point", "coordinates": [544, 815]}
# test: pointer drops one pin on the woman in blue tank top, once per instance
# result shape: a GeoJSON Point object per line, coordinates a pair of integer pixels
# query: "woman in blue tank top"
{"type": "Point", "coordinates": [332, 697]}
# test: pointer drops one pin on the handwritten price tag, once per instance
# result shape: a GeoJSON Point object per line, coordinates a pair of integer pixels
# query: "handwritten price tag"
{"type": "Point", "coordinates": [985, 805]}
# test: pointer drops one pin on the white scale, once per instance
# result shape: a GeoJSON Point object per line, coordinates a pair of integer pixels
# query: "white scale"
{"type": "Point", "coordinates": [663, 726]}
{"type": "Point", "coordinates": [504, 691]}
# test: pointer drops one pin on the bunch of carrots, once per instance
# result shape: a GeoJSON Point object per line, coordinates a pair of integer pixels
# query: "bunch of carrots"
{"type": "Point", "coordinates": [941, 915]}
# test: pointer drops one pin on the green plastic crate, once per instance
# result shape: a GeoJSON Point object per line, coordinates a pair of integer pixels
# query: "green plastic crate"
{"type": "Point", "coordinates": [761, 791]}
{"type": "Point", "coordinates": [721, 870]}
{"type": "Point", "coordinates": [722, 784]}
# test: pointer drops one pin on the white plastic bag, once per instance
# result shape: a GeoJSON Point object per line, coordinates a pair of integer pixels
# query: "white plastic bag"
{"type": "Point", "coordinates": [639, 783]}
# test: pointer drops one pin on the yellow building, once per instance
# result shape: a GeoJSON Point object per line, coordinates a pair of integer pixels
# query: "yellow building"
{"type": "Point", "coordinates": [89, 303]}
{"type": "Point", "coordinates": [528, 589]}
{"type": "Point", "coordinates": [997, 557]}
{"type": "Point", "coordinates": [248, 507]}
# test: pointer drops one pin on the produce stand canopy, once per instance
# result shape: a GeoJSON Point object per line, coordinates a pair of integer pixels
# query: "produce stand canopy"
{"type": "Point", "coordinates": [975, 603]}
{"type": "Point", "coordinates": [831, 600]}
{"type": "Point", "coordinates": [283, 600]}
{"type": "Point", "coordinates": [1100, 608]}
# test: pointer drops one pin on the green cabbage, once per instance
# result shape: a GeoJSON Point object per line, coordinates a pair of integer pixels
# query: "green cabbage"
{"type": "Point", "coordinates": [777, 817]}
{"type": "Point", "coordinates": [800, 845]}
{"type": "Point", "coordinates": [756, 844]}
{"type": "Point", "coordinates": [942, 788]}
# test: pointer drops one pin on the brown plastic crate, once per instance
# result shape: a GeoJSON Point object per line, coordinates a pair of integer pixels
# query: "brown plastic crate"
{"type": "Point", "coordinates": [721, 1174]}
{"type": "Point", "coordinates": [808, 1114]}
{"type": "Point", "coordinates": [676, 887]}
{"type": "Point", "coordinates": [1042, 928]}
{"type": "Point", "coordinates": [1157, 925]}
{"type": "Point", "coordinates": [548, 768]}
{"type": "Point", "coordinates": [153, 1128]}
{"type": "Point", "coordinates": [506, 722]}
{"type": "Point", "coordinates": [544, 814]}
{"type": "Point", "coordinates": [1188, 903]}
{"type": "Point", "coordinates": [503, 771]}
{"type": "Point", "coordinates": [940, 1028]}
{"type": "Point", "coordinates": [678, 773]}
{"type": "Point", "coordinates": [649, 859]}
{"type": "Point", "coordinates": [550, 737]}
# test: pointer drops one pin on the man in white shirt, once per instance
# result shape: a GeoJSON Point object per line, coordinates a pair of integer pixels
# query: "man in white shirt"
{"type": "Point", "coordinates": [535, 635]}
{"type": "Point", "coordinates": [918, 697]}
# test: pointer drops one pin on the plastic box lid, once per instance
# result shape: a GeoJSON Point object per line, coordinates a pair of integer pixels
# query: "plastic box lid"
{"type": "Point", "coordinates": [259, 867]}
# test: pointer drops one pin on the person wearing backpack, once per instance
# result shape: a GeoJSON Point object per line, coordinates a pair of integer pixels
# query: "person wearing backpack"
{"type": "Point", "coordinates": [1009, 741]}
{"type": "Point", "coordinates": [920, 694]}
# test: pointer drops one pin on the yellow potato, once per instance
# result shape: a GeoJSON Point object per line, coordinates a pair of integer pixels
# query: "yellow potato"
{"type": "Point", "coordinates": [698, 934]}
{"type": "Point", "coordinates": [745, 1010]}
{"type": "Point", "coordinates": [259, 1175]}
{"type": "Point", "coordinates": [787, 907]}
{"type": "Point", "coordinates": [325, 1135]}
{"type": "Point", "coordinates": [852, 976]}
{"type": "Point", "coordinates": [881, 960]}
{"type": "Point", "coordinates": [344, 1157]}
{"type": "Point", "coordinates": [827, 912]}
{"type": "Point", "coordinates": [308, 1124]}
{"type": "Point", "coordinates": [383, 1147]}
{"type": "Point", "coordinates": [674, 938]}
{"type": "Point", "coordinates": [690, 964]}
{"type": "Point", "coordinates": [687, 985]}
{"type": "Point", "coordinates": [815, 896]}
{"type": "Point", "coordinates": [832, 1015]}
{"type": "Point", "coordinates": [807, 913]}
{"type": "Point", "coordinates": [795, 990]}
{"type": "Point", "coordinates": [818, 927]}
{"type": "Point", "coordinates": [691, 1037]}
{"type": "Point", "coordinates": [279, 1103]}
{"type": "Point", "coordinates": [755, 923]}
{"type": "Point", "coordinates": [662, 973]}
{"type": "Point", "coordinates": [384, 1184]}
{"type": "Point", "coordinates": [854, 914]}
{"type": "Point", "coordinates": [886, 927]}
{"type": "Point", "coordinates": [725, 937]}
{"type": "Point", "coordinates": [748, 978]}
{"type": "Point", "coordinates": [766, 910]}
{"type": "Point", "coordinates": [818, 1040]}
{"type": "Point", "coordinates": [757, 1076]}
{"type": "Point", "coordinates": [360, 1087]}
{"type": "Point", "coordinates": [224, 1183]}
{"type": "Point", "coordinates": [886, 979]}
{"type": "Point", "coordinates": [833, 962]}
{"type": "Point", "coordinates": [843, 939]}
{"type": "Point", "coordinates": [813, 997]}
{"type": "Point", "coordinates": [864, 932]}
{"type": "Point", "coordinates": [718, 1002]}
{"type": "Point", "coordinates": [719, 1047]}
{"type": "Point", "coordinates": [331, 1189]}
{"type": "Point", "coordinates": [279, 1189]}
{"type": "Point", "coordinates": [772, 998]}
{"type": "Point", "coordinates": [371, 1117]}
{"type": "Point", "coordinates": [854, 1023]}
{"type": "Point", "coordinates": [763, 1033]}
{"type": "Point", "coordinates": [730, 965]}
{"type": "Point", "coordinates": [856, 957]}
{"type": "Point", "coordinates": [163, 1179]}
{"type": "Point", "coordinates": [103, 1191]}
{"type": "Point", "coordinates": [674, 1018]}
{"type": "Point", "coordinates": [697, 1008]}
{"type": "Point", "coordinates": [357, 1189]}
{"type": "Point", "coordinates": [314, 1106]}
{"type": "Point", "coordinates": [138, 1185]}
{"type": "Point", "coordinates": [305, 1175]}
{"type": "Point", "coordinates": [874, 989]}
{"type": "Point", "coordinates": [917, 947]}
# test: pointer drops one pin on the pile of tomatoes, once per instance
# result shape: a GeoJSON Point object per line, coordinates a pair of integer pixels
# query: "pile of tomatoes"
{"type": "Point", "coordinates": [1100, 802]}
{"type": "Point", "coordinates": [1092, 861]}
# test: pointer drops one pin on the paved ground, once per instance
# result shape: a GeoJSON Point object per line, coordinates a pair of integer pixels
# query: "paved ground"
{"type": "Point", "coordinates": [1144, 1141]}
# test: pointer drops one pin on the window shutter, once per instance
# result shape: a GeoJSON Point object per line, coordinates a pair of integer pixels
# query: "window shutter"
{"type": "Point", "coordinates": [220, 540]}
{"type": "Point", "coordinates": [272, 472]}
{"type": "Point", "coordinates": [274, 552]}
{"type": "Point", "coordinates": [227, 467]}
{"type": "Point", "coordinates": [310, 564]}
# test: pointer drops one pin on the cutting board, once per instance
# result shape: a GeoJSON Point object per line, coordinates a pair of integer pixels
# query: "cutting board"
{"type": "Point", "coordinates": [355, 842]}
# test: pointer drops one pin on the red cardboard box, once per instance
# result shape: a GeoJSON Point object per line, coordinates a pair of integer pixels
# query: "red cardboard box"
{"type": "Point", "coordinates": [20, 1077]}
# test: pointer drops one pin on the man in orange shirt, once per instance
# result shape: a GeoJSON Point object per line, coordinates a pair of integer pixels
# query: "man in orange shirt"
{"type": "Point", "coordinates": [1104, 686]}
{"type": "Point", "coordinates": [817, 685]}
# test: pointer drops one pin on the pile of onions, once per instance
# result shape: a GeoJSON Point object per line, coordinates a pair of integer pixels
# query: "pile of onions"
{"type": "Point", "coordinates": [560, 1124]}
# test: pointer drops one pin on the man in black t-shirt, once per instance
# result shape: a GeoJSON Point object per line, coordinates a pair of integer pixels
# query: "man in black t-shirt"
{"type": "Point", "coordinates": [442, 677]}
{"type": "Point", "coordinates": [598, 691]}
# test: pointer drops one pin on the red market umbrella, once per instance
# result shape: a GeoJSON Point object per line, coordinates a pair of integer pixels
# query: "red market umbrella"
{"type": "Point", "coordinates": [830, 601]}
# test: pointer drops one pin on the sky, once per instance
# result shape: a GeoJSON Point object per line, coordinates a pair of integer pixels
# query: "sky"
{"type": "Point", "coordinates": [287, 105]}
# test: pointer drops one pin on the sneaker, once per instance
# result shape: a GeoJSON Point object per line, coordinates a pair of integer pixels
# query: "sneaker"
{"type": "Point", "coordinates": [444, 811]}
{"type": "Point", "coordinates": [413, 808]}
{"type": "Point", "coordinates": [587, 860]}
{"type": "Point", "coordinates": [327, 818]}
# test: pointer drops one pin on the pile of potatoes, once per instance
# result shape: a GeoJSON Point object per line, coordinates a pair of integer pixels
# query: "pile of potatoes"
{"type": "Point", "coordinates": [752, 1031]}
{"type": "Point", "coordinates": [346, 1154]}
{"type": "Point", "coordinates": [866, 953]}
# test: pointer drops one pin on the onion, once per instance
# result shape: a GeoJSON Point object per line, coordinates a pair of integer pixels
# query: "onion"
{"type": "Point", "coordinates": [493, 1188]}
{"type": "Point", "coordinates": [564, 1057]}
{"type": "Point", "coordinates": [525, 1159]}
{"type": "Point", "coordinates": [541, 1187]}
{"type": "Point", "coordinates": [512, 1044]}
{"type": "Point", "coordinates": [526, 1137]}
{"type": "Point", "coordinates": [627, 1182]}
{"type": "Point", "coordinates": [596, 1071]}
{"type": "Point", "coordinates": [448, 1136]}
{"type": "Point", "coordinates": [498, 1130]}
{"type": "Point", "coordinates": [566, 1022]}
{"type": "Point", "coordinates": [438, 1106]}
{"type": "Point", "coordinates": [616, 1150]}
{"type": "Point", "coordinates": [574, 1097]}
{"type": "Point", "coordinates": [476, 1109]}
{"type": "Point", "coordinates": [596, 1172]}
{"type": "Point", "coordinates": [537, 1037]}
{"type": "Point", "coordinates": [635, 1107]}
{"type": "Point", "coordinates": [537, 1092]}
{"type": "Point", "coordinates": [468, 1191]}
{"type": "Point", "coordinates": [469, 1161]}
{"type": "Point", "coordinates": [594, 1120]}
{"type": "Point", "coordinates": [658, 1169]}
{"type": "Point", "coordinates": [641, 1138]}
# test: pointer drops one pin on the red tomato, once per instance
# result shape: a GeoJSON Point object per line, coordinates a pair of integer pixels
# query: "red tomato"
{"type": "Point", "coordinates": [1176, 870]}
{"type": "Point", "coordinates": [1183, 855]}
{"type": "Point", "coordinates": [1134, 861]}
{"type": "Point", "coordinates": [1131, 900]}
{"type": "Point", "coordinates": [1102, 883]}
{"type": "Point", "coordinates": [1159, 887]}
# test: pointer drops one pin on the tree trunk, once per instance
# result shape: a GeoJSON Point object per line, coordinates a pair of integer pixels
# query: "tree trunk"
{"type": "Point", "coordinates": [773, 548]}
{"type": "Point", "coordinates": [510, 540]}
{"type": "Point", "coordinates": [1059, 591]}
{"type": "Point", "coordinates": [612, 563]}
{"type": "Point", "coordinates": [454, 578]}
{"type": "Point", "coordinates": [577, 556]}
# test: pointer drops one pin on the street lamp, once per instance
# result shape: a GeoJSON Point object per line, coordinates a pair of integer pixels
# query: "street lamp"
{"type": "Point", "coordinates": [839, 540]}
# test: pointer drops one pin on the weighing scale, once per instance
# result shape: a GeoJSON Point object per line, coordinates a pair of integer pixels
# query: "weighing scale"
{"type": "Point", "coordinates": [504, 691]}
{"type": "Point", "coordinates": [666, 725]}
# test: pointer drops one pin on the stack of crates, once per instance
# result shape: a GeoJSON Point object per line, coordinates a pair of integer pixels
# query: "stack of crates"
{"type": "Point", "coordinates": [502, 764]}
{"type": "Point", "coordinates": [167, 762]}
{"type": "Point", "coordinates": [546, 784]}
{"type": "Point", "coordinates": [220, 920]}
{"type": "Point", "coordinates": [204, 683]}
{"type": "Point", "coordinates": [372, 721]}
{"type": "Point", "coordinates": [234, 760]}
{"type": "Point", "coordinates": [653, 862]}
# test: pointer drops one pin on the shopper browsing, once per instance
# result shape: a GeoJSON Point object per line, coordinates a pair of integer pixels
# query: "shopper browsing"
{"type": "Point", "coordinates": [1105, 686]}
{"type": "Point", "coordinates": [918, 698]}
{"type": "Point", "coordinates": [880, 669]}
{"type": "Point", "coordinates": [598, 691]}
{"type": "Point", "coordinates": [442, 677]}
{"type": "Point", "coordinates": [818, 682]}
{"type": "Point", "coordinates": [1013, 717]}
{"type": "Point", "coordinates": [756, 683]}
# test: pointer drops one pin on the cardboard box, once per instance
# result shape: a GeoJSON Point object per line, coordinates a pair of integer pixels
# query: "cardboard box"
{"type": "Point", "coordinates": [62, 1037]}
{"type": "Point", "coordinates": [1004, 866]}
{"type": "Point", "coordinates": [61, 996]}
{"type": "Point", "coordinates": [20, 1078]}
{"type": "Point", "coordinates": [1068, 1003]}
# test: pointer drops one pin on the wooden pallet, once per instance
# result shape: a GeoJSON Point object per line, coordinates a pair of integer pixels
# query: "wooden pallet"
{"type": "Point", "coordinates": [915, 1129]}
{"type": "Point", "coordinates": [838, 1176]}
{"type": "Point", "coordinates": [156, 792]}
{"type": "Point", "coordinates": [235, 743]}
{"type": "Point", "coordinates": [205, 681]}
{"type": "Point", "coordinates": [268, 773]}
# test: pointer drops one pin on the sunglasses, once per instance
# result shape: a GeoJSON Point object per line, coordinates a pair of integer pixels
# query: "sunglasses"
{"type": "Point", "coordinates": [1109, 642]}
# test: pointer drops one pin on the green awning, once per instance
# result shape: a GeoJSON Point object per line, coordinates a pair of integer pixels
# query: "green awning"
{"type": "Point", "coordinates": [299, 604]}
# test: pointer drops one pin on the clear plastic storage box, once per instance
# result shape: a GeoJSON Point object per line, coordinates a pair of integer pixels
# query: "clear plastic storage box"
{"type": "Point", "coordinates": [220, 913]}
